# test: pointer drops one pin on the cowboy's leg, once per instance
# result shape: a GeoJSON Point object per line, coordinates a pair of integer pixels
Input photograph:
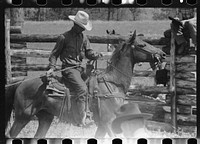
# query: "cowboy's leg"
{"type": "Point", "coordinates": [179, 38]}
{"type": "Point", "coordinates": [178, 34]}
{"type": "Point", "coordinates": [73, 76]}
{"type": "Point", "coordinates": [191, 27]}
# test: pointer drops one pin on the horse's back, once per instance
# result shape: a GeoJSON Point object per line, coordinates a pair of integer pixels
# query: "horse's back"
{"type": "Point", "coordinates": [29, 88]}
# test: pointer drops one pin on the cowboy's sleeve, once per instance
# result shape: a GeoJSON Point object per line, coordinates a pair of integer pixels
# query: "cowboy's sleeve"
{"type": "Point", "coordinates": [55, 53]}
{"type": "Point", "coordinates": [89, 52]}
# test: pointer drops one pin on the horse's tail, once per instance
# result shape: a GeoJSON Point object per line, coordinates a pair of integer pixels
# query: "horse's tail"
{"type": "Point", "coordinates": [9, 98]}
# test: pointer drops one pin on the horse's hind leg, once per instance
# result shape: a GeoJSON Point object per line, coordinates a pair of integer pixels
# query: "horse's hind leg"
{"type": "Point", "coordinates": [18, 125]}
{"type": "Point", "coordinates": [45, 120]}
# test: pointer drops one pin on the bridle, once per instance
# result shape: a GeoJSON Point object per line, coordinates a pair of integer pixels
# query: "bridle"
{"type": "Point", "coordinates": [154, 56]}
{"type": "Point", "coordinates": [130, 76]}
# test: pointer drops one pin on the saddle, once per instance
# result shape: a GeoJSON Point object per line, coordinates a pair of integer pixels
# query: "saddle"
{"type": "Point", "coordinates": [56, 85]}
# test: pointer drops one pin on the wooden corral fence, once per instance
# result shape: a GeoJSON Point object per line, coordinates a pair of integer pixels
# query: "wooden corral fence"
{"type": "Point", "coordinates": [181, 94]}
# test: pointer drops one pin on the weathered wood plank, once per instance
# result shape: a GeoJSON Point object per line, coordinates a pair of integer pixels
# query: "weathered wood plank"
{"type": "Point", "coordinates": [147, 90]}
{"type": "Point", "coordinates": [30, 53]}
{"type": "Point", "coordinates": [45, 54]}
{"type": "Point", "coordinates": [18, 45]}
{"type": "Point", "coordinates": [172, 84]}
{"type": "Point", "coordinates": [111, 39]}
{"type": "Point", "coordinates": [185, 84]}
{"type": "Point", "coordinates": [15, 30]}
{"type": "Point", "coordinates": [181, 109]}
{"type": "Point", "coordinates": [17, 60]}
{"type": "Point", "coordinates": [16, 79]}
{"type": "Point", "coordinates": [185, 67]}
{"type": "Point", "coordinates": [29, 67]}
{"type": "Point", "coordinates": [181, 91]}
{"type": "Point", "coordinates": [154, 108]}
{"type": "Point", "coordinates": [143, 73]}
{"type": "Point", "coordinates": [182, 119]}
{"type": "Point", "coordinates": [7, 51]}
{"type": "Point", "coordinates": [181, 59]}
{"type": "Point", "coordinates": [183, 100]}
{"type": "Point", "coordinates": [186, 76]}
{"type": "Point", "coordinates": [158, 126]}
{"type": "Point", "coordinates": [18, 73]}
{"type": "Point", "coordinates": [143, 99]}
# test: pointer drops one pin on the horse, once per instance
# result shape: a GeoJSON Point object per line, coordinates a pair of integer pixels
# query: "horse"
{"type": "Point", "coordinates": [111, 47]}
{"type": "Point", "coordinates": [109, 88]}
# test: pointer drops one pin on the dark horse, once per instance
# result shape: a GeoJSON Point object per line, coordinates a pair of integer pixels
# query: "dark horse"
{"type": "Point", "coordinates": [29, 98]}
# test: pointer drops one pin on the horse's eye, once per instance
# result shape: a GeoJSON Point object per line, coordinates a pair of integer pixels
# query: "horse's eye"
{"type": "Point", "coordinates": [141, 45]}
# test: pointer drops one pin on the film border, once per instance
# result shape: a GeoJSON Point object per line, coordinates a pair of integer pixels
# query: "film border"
{"type": "Point", "coordinates": [153, 4]}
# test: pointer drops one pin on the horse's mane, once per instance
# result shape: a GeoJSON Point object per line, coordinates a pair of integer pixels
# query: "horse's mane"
{"type": "Point", "coordinates": [115, 56]}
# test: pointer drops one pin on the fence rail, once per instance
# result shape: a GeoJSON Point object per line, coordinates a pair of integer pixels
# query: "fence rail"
{"type": "Point", "coordinates": [111, 39]}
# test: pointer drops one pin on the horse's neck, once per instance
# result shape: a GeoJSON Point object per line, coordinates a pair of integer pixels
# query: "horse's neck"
{"type": "Point", "coordinates": [122, 74]}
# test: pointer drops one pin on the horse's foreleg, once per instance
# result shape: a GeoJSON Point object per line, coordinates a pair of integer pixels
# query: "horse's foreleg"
{"type": "Point", "coordinates": [100, 132]}
{"type": "Point", "coordinates": [18, 125]}
{"type": "Point", "coordinates": [109, 131]}
{"type": "Point", "coordinates": [45, 120]}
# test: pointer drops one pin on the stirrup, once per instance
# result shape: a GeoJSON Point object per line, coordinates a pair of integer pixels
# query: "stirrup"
{"type": "Point", "coordinates": [89, 115]}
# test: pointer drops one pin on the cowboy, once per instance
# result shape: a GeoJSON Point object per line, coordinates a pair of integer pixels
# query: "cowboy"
{"type": "Point", "coordinates": [130, 121]}
{"type": "Point", "coordinates": [184, 26]}
{"type": "Point", "coordinates": [72, 46]}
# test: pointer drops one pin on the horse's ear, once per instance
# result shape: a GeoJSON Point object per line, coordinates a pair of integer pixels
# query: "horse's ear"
{"type": "Point", "coordinates": [113, 32]}
{"type": "Point", "coordinates": [107, 31]}
{"type": "Point", "coordinates": [134, 35]}
{"type": "Point", "coordinates": [131, 40]}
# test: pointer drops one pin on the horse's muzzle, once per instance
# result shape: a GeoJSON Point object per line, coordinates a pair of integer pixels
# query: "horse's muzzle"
{"type": "Point", "coordinates": [159, 57]}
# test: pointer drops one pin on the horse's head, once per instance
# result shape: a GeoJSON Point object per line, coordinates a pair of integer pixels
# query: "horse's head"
{"type": "Point", "coordinates": [111, 47]}
{"type": "Point", "coordinates": [144, 52]}
{"type": "Point", "coordinates": [111, 32]}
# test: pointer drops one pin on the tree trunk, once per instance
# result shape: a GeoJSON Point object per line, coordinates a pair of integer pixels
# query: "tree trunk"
{"type": "Point", "coordinates": [118, 14]}
{"type": "Point", "coordinates": [108, 18]}
{"type": "Point", "coordinates": [38, 15]}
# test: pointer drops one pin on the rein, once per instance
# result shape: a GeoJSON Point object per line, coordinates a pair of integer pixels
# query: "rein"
{"type": "Point", "coordinates": [119, 70]}
{"type": "Point", "coordinates": [156, 64]}
{"type": "Point", "coordinates": [43, 75]}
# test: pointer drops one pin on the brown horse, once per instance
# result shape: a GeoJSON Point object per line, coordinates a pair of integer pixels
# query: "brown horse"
{"type": "Point", "coordinates": [111, 47]}
{"type": "Point", "coordinates": [30, 98]}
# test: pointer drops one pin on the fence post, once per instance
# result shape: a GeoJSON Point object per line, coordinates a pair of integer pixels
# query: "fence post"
{"type": "Point", "coordinates": [7, 51]}
{"type": "Point", "coordinates": [173, 83]}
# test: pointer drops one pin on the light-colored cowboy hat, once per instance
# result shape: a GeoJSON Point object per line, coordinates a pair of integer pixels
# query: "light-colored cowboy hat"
{"type": "Point", "coordinates": [82, 19]}
{"type": "Point", "coordinates": [127, 112]}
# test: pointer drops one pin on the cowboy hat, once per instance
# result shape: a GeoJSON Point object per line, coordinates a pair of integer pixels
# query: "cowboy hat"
{"type": "Point", "coordinates": [82, 19]}
{"type": "Point", "coordinates": [175, 20]}
{"type": "Point", "coordinates": [127, 112]}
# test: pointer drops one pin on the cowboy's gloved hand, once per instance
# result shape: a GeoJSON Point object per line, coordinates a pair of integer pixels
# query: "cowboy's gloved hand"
{"type": "Point", "coordinates": [50, 72]}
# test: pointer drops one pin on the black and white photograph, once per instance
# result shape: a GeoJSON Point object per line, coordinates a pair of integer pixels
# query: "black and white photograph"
{"type": "Point", "coordinates": [101, 73]}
